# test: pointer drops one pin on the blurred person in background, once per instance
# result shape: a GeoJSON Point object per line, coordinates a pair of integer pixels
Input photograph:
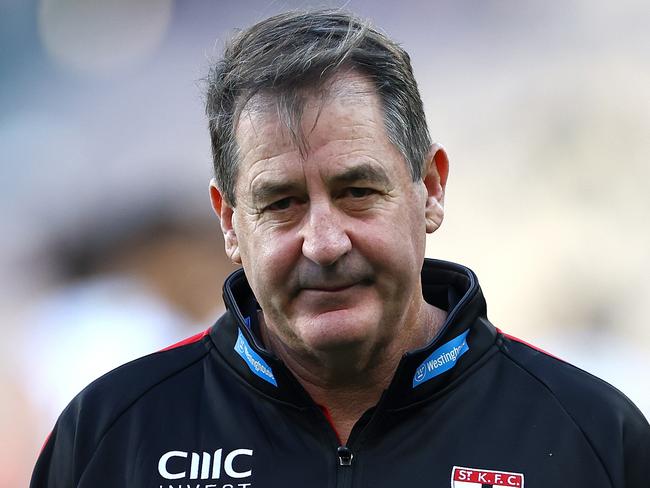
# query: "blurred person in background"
{"type": "Point", "coordinates": [124, 284]}
{"type": "Point", "coordinates": [345, 358]}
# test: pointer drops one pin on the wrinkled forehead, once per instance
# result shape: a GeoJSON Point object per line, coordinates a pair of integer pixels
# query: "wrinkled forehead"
{"type": "Point", "coordinates": [295, 111]}
{"type": "Point", "coordinates": [330, 129]}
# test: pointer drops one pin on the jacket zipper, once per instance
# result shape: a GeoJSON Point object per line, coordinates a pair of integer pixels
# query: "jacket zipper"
{"type": "Point", "coordinates": [345, 458]}
{"type": "Point", "coordinates": [344, 455]}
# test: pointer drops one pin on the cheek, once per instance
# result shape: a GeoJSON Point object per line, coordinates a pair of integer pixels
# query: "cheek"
{"type": "Point", "coordinates": [413, 227]}
{"type": "Point", "coordinates": [399, 237]}
{"type": "Point", "coordinates": [395, 252]}
{"type": "Point", "coordinates": [269, 257]}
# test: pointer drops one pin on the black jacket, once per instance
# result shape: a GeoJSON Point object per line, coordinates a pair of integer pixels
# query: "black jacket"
{"type": "Point", "coordinates": [475, 408]}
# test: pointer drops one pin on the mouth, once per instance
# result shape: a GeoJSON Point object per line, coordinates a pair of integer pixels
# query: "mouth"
{"type": "Point", "coordinates": [334, 287]}
{"type": "Point", "coordinates": [329, 289]}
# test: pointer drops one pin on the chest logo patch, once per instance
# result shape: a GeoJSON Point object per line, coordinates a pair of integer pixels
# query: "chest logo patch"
{"type": "Point", "coordinates": [462, 477]}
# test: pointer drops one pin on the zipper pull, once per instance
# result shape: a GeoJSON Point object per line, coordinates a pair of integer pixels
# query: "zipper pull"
{"type": "Point", "coordinates": [345, 456]}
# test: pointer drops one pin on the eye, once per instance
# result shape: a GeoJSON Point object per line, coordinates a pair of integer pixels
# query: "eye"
{"type": "Point", "coordinates": [282, 204]}
{"type": "Point", "coordinates": [358, 192]}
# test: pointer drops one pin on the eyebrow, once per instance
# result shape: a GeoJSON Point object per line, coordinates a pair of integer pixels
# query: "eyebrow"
{"type": "Point", "coordinates": [364, 172]}
{"type": "Point", "coordinates": [269, 190]}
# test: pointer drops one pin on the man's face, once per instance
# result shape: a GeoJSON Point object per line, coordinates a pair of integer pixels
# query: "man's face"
{"type": "Point", "coordinates": [332, 243]}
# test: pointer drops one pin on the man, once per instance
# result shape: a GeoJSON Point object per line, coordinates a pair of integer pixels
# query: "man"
{"type": "Point", "coordinates": [345, 358]}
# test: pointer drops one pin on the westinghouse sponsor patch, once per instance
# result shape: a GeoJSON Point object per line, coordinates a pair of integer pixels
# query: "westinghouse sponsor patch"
{"type": "Point", "coordinates": [254, 361]}
{"type": "Point", "coordinates": [442, 359]}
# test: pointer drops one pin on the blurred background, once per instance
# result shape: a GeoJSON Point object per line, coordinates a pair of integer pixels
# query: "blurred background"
{"type": "Point", "coordinates": [109, 249]}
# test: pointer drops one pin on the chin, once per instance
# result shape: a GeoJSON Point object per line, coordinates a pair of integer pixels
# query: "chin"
{"type": "Point", "coordinates": [338, 329]}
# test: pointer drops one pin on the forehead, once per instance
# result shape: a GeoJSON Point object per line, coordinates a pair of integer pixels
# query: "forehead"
{"type": "Point", "coordinates": [340, 124]}
{"type": "Point", "coordinates": [292, 117]}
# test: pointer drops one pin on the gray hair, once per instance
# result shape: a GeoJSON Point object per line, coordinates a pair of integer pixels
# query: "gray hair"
{"type": "Point", "coordinates": [296, 53]}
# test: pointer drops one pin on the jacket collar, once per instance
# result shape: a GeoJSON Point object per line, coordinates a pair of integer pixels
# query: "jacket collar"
{"type": "Point", "coordinates": [462, 341]}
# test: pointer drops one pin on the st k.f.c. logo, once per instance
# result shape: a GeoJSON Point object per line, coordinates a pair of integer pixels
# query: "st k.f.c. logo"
{"type": "Point", "coordinates": [462, 477]}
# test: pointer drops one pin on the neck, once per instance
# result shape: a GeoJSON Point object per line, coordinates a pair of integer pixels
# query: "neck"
{"type": "Point", "coordinates": [349, 381]}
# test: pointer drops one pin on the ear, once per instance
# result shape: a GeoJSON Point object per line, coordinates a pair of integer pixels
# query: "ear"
{"type": "Point", "coordinates": [435, 180]}
{"type": "Point", "coordinates": [225, 213]}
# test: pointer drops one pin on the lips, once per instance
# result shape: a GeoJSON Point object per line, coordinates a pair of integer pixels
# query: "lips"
{"type": "Point", "coordinates": [330, 288]}
{"type": "Point", "coordinates": [345, 274]}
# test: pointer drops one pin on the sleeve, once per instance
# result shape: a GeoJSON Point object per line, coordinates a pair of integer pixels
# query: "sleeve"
{"type": "Point", "coordinates": [47, 472]}
{"type": "Point", "coordinates": [57, 463]}
{"type": "Point", "coordinates": [636, 445]}
{"type": "Point", "coordinates": [69, 448]}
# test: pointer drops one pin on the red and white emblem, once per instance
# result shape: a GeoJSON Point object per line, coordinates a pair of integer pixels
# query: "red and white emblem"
{"type": "Point", "coordinates": [484, 478]}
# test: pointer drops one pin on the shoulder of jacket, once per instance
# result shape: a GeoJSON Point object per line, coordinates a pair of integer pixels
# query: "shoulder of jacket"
{"type": "Point", "coordinates": [103, 401]}
{"type": "Point", "coordinates": [91, 414]}
{"type": "Point", "coordinates": [573, 387]}
{"type": "Point", "coordinates": [611, 424]}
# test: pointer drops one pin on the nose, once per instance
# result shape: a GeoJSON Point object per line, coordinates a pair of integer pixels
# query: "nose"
{"type": "Point", "coordinates": [325, 240]}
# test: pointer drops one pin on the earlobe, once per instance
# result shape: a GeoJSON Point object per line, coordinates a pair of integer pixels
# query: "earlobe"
{"type": "Point", "coordinates": [225, 213]}
{"type": "Point", "coordinates": [435, 181]}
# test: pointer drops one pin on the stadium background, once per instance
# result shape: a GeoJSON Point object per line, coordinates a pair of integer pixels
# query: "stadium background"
{"type": "Point", "coordinates": [109, 249]}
